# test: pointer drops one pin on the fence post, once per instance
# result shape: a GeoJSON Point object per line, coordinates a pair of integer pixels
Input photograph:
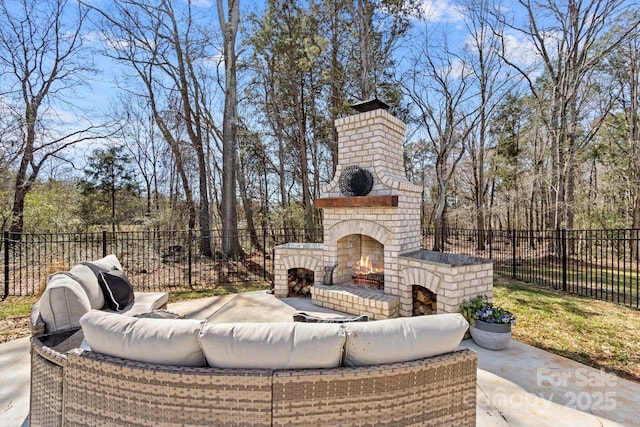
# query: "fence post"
{"type": "Point", "coordinates": [6, 264]}
{"type": "Point", "coordinates": [490, 243]}
{"type": "Point", "coordinates": [264, 253]}
{"type": "Point", "coordinates": [563, 242]}
{"type": "Point", "coordinates": [513, 253]}
{"type": "Point", "coordinates": [104, 243]}
{"type": "Point", "coordinates": [189, 269]}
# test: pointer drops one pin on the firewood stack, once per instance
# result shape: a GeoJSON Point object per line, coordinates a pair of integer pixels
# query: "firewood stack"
{"type": "Point", "coordinates": [424, 301]}
{"type": "Point", "coordinates": [300, 282]}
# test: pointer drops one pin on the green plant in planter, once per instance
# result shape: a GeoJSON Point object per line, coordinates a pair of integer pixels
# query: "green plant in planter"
{"type": "Point", "coordinates": [479, 308]}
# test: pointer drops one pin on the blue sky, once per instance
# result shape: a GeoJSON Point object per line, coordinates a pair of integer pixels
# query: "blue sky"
{"type": "Point", "coordinates": [443, 17]}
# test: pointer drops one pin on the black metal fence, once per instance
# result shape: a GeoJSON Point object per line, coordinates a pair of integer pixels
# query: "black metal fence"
{"type": "Point", "coordinates": [602, 264]}
{"type": "Point", "coordinates": [153, 260]}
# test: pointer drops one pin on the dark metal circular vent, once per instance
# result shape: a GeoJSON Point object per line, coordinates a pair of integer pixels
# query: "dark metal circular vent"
{"type": "Point", "coordinates": [355, 181]}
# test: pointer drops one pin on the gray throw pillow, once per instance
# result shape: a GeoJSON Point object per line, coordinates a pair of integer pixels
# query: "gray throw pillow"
{"type": "Point", "coordinates": [118, 292]}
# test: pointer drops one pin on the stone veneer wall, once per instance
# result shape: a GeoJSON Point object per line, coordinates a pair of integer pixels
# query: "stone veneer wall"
{"type": "Point", "coordinates": [451, 284]}
{"type": "Point", "coordinates": [296, 255]}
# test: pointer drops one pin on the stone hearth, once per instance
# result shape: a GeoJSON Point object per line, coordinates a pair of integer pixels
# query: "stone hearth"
{"type": "Point", "coordinates": [381, 227]}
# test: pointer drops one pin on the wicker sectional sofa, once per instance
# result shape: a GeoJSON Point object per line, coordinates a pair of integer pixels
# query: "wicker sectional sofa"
{"type": "Point", "coordinates": [77, 387]}
{"type": "Point", "coordinates": [120, 370]}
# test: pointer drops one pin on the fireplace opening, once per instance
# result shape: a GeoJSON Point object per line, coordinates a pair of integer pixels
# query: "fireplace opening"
{"type": "Point", "coordinates": [300, 282]}
{"type": "Point", "coordinates": [360, 261]}
{"type": "Point", "coordinates": [368, 274]}
{"type": "Point", "coordinates": [424, 301]}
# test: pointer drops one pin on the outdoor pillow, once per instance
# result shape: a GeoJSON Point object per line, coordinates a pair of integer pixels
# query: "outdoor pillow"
{"type": "Point", "coordinates": [162, 341]}
{"type": "Point", "coordinates": [63, 303]}
{"type": "Point", "coordinates": [118, 292]}
{"type": "Point", "coordinates": [403, 339]}
{"type": "Point", "coordinates": [279, 345]}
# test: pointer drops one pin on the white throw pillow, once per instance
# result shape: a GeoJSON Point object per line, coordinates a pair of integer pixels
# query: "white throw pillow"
{"type": "Point", "coordinates": [283, 345]}
{"type": "Point", "coordinates": [161, 341]}
{"type": "Point", "coordinates": [403, 339]}
{"type": "Point", "coordinates": [63, 302]}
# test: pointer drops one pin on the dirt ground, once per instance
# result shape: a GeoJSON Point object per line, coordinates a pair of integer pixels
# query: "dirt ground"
{"type": "Point", "coordinates": [15, 327]}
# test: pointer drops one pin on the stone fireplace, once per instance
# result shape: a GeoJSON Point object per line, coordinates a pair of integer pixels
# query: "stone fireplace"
{"type": "Point", "coordinates": [371, 259]}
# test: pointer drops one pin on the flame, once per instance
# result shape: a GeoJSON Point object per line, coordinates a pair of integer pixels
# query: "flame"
{"type": "Point", "coordinates": [365, 266]}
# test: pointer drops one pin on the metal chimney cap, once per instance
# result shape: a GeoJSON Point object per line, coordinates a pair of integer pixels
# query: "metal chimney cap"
{"type": "Point", "coordinates": [370, 105]}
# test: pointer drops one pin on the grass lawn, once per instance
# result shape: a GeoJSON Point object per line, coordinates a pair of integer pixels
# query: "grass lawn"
{"type": "Point", "coordinates": [596, 333]}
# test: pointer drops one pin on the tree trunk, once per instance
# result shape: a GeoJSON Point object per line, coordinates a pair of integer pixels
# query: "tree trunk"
{"type": "Point", "coordinates": [246, 204]}
{"type": "Point", "coordinates": [230, 242]}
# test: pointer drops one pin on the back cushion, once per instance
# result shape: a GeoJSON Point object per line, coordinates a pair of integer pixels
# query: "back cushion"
{"type": "Point", "coordinates": [107, 263]}
{"type": "Point", "coordinates": [404, 339]}
{"type": "Point", "coordinates": [63, 302]}
{"type": "Point", "coordinates": [161, 341]}
{"type": "Point", "coordinates": [89, 282]}
{"type": "Point", "coordinates": [272, 345]}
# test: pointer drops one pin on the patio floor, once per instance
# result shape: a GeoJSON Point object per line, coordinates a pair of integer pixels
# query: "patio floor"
{"type": "Point", "coordinates": [519, 386]}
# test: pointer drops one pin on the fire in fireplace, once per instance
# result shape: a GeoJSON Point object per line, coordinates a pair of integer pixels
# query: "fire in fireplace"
{"type": "Point", "coordinates": [368, 275]}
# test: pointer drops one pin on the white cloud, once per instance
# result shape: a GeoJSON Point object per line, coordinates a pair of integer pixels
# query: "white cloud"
{"type": "Point", "coordinates": [201, 3]}
{"type": "Point", "coordinates": [91, 37]}
{"type": "Point", "coordinates": [440, 11]}
{"type": "Point", "coordinates": [520, 51]}
{"type": "Point", "coordinates": [214, 61]}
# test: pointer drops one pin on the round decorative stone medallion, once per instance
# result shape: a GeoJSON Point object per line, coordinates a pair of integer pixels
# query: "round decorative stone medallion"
{"type": "Point", "coordinates": [355, 181]}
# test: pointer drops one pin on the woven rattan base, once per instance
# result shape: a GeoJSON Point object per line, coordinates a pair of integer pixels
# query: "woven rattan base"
{"type": "Point", "coordinates": [439, 391]}
{"type": "Point", "coordinates": [82, 388]}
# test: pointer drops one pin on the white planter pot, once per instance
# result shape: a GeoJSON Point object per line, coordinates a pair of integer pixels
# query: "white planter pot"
{"type": "Point", "coordinates": [491, 336]}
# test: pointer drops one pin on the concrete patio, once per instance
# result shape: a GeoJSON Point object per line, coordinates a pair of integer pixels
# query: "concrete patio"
{"type": "Point", "coordinates": [519, 386]}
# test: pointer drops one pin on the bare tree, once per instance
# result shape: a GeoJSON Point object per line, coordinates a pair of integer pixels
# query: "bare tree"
{"type": "Point", "coordinates": [623, 68]}
{"type": "Point", "coordinates": [42, 62]}
{"type": "Point", "coordinates": [139, 135]}
{"type": "Point", "coordinates": [439, 86]}
{"type": "Point", "coordinates": [229, 22]}
{"type": "Point", "coordinates": [571, 39]}
{"type": "Point", "coordinates": [482, 48]}
{"type": "Point", "coordinates": [162, 46]}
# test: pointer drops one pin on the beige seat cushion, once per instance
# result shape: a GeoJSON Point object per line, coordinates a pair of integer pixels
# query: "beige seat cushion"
{"type": "Point", "coordinates": [404, 339]}
{"type": "Point", "coordinates": [63, 302]}
{"type": "Point", "coordinates": [161, 341]}
{"type": "Point", "coordinates": [285, 345]}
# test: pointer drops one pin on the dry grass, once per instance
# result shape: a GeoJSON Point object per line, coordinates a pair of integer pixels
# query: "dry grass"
{"type": "Point", "coordinates": [14, 317]}
{"type": "Point", "coordinates": [596, 333]}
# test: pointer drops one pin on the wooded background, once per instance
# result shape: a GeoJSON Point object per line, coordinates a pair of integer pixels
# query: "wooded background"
{"type": "Point", "coordinates": [178, 115]}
